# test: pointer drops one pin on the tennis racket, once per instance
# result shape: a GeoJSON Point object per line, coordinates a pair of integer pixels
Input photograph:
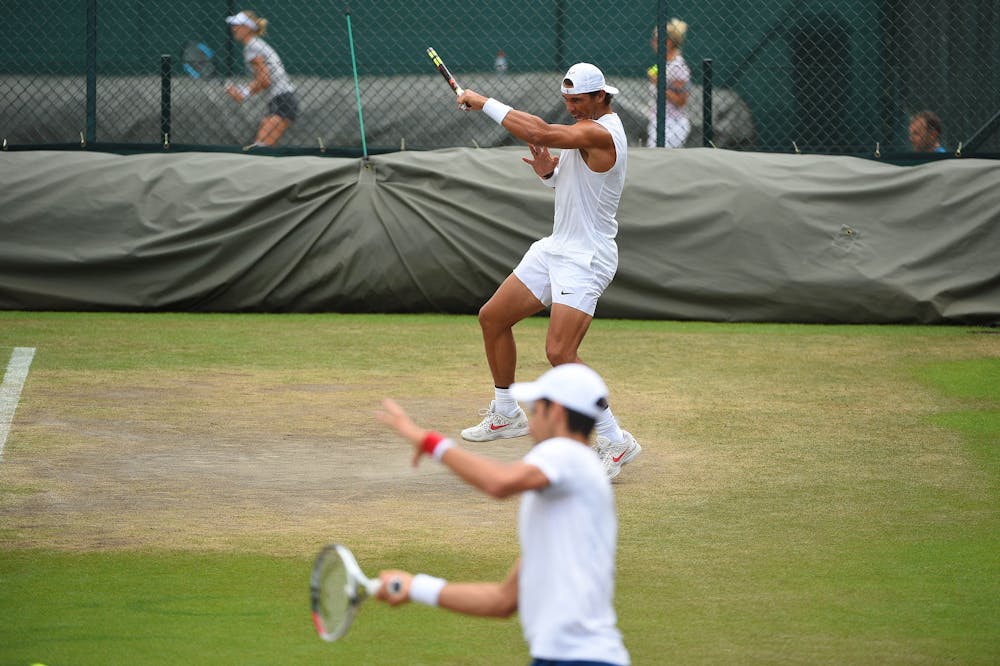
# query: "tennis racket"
{"type": "Point", "coordinates": [441, 67]}
{"type": "Point", "coordinates": [338, 587]}
{"type": "Point", "coordinates": [197, 59]}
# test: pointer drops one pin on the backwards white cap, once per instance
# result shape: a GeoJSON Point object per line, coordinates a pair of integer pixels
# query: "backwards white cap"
{"type": "Point", "coordinates": [572, 385]}
{"type": "Point", "coordinates": [242, 19]}
{"type": "Point", "coordinates": [586, 78]}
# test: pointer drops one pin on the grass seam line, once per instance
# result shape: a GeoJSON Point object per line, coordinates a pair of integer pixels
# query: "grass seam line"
{"type": "Point", "coordinates": [10, 390]}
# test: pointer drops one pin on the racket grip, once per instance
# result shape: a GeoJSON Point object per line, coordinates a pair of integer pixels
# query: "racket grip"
{"type": "Point", "coordinates": [392, 586]}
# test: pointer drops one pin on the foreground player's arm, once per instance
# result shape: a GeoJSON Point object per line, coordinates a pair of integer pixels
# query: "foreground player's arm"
{"type": "Point", "coordinates": [483, 599]}
{"type": "Point", "coordinates": [494, 478]}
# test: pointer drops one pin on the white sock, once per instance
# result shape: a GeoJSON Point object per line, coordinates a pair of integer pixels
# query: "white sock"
{"type": "Point", "coordinates": [607, 426]}
{"type": "Point", "coordinates": [504, 402]}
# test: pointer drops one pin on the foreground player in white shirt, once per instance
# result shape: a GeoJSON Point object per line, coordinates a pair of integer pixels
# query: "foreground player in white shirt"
{"type": "Point", "coordinates": [569, 269]}
{"type": "Point", "coordinates": [563, 584]}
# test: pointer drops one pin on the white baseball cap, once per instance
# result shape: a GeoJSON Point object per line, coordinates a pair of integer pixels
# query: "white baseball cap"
{"type": "Point", "coordinates": [572, 385]}
{"type": "Point", "coordinates": [586, 79]}
{"type": "Point", "coordinates": [242, 19]}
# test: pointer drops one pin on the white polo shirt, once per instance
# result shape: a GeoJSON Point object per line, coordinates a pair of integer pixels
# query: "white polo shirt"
{"type": "Point", "coordinates": [568, 532]}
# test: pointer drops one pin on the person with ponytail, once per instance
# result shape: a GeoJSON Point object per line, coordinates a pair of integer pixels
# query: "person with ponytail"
{"type": "Point", "coordinates": [269, 77]}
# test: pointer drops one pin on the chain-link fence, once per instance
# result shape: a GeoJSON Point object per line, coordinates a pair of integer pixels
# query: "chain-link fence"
{"type": "Point", "coordinates": [840, 76]}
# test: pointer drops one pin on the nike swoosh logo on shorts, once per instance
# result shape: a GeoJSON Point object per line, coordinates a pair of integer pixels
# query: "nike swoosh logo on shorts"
{"type": "Point", "coordinates": [566, 293]}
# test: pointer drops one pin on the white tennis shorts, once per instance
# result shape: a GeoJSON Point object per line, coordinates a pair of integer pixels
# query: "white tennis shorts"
{"type": "Point", "coordinates": [576, 279]}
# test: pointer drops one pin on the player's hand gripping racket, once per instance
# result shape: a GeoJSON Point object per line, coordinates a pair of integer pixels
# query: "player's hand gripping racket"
{"type": "Point", "coordinates": [441, 67]}
{"type": "Point", "coordinates": [338, 588]}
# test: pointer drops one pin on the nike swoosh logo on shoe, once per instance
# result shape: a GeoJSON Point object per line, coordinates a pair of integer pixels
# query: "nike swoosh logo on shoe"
{"type": "Point", "coordinates": [498, 427]}
{"type": "Point", "coordinates": [620, 456]}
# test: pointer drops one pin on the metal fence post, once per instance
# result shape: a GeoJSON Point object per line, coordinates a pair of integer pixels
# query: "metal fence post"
{"type": "Point", "coordinates": [166, 71]}
{"type": "Point", "coordinates": [230, 58]}
{"type": "Point", "coordinates": [91, 60]}
{"type": "Point", "coordinates": [560, 36]}
{"type": "Point", "coordinates": [661, 74]}
{"type": "Point", "coordinates": [708, 131]}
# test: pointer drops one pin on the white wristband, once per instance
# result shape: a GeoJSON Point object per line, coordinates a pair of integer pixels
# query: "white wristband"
{"type": "Point", "coordinates": [244, 91]}
{"type": "Point", "coordinates": [496, 110]}
{"type": "Point", "coordinates": [441, 447]}
{"type": "Point", "coordinates": [426, 589]}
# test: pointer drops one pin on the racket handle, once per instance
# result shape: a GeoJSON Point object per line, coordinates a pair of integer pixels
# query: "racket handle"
{"type": "Point", "coordinates": [394, 586]}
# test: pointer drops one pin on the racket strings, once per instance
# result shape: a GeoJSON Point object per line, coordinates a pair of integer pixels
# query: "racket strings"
{"type": "Point", "coordinates": [338, 597]}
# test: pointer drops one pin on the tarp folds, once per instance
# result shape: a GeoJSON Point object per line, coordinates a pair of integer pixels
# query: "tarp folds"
{"type": "Point", "coordinates": [704, 234]}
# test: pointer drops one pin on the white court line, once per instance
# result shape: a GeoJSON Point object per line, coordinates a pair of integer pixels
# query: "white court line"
{"type": "Point", "coordinates": [10, 390]}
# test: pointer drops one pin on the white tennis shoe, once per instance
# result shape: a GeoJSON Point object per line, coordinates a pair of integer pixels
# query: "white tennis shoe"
{"type": "Point", "coordinates": [497, 426]}
{"type": "Point", "coordinates": [614, 456]}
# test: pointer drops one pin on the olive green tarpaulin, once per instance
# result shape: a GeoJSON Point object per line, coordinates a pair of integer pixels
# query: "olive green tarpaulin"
{"type": "Point", "coordinates": [704, 234]}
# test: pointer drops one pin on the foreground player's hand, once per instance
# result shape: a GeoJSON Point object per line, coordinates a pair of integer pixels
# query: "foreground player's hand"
{"type": "Point", "coordinates": [385, 593]}
{"type": "Point", "coordinates": [470, 99]}
{"type": "Point", "coordinates": [541, 160]}
{"type": "Point", "coordinates": [395, 416]}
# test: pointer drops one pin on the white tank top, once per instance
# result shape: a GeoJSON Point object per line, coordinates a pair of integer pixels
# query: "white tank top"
{"type": "Point", "coordinates": [587, 201]}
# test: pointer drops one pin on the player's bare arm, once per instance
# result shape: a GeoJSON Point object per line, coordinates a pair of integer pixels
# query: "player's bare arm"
{"type": "Point", "coordinates": [482, 599]}
{"type": "Point", "coordinates": [497, 479]}
{"type": "Point", "coordinates": [595, 142]}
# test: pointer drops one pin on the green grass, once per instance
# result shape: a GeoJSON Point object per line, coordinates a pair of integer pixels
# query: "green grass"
{"type": "Point", "coordinates": [206, 608]}
{"type": "Point", "coordinates": [806, 495]}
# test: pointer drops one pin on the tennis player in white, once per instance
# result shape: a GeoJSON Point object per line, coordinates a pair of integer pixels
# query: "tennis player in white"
{"type": "Point", "coordinates": [563, 585]}
{"type": "Point", "coordinates": [569, 269]}
{"type": "Point", "coordinates": [268, 75]}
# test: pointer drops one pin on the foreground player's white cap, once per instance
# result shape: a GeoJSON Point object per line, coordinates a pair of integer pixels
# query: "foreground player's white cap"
{"type": "Point", "coordinates": [572, 385]}
{"type": "Point", "coordinates": [242, 19]}
{"type": "Point", "coordinates": [586, 79]}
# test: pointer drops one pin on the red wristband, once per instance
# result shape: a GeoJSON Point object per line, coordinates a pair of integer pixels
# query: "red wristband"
{"type": "Point", "coordinates": [431, 440]}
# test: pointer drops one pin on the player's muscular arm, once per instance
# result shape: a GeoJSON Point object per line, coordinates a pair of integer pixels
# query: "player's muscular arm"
{"type": "Point", "coordinates": [594, 142]}
{"type": "Point", "coordinates": [497, 479]}
{"type": "Point", "coordinates": [585, 134]}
